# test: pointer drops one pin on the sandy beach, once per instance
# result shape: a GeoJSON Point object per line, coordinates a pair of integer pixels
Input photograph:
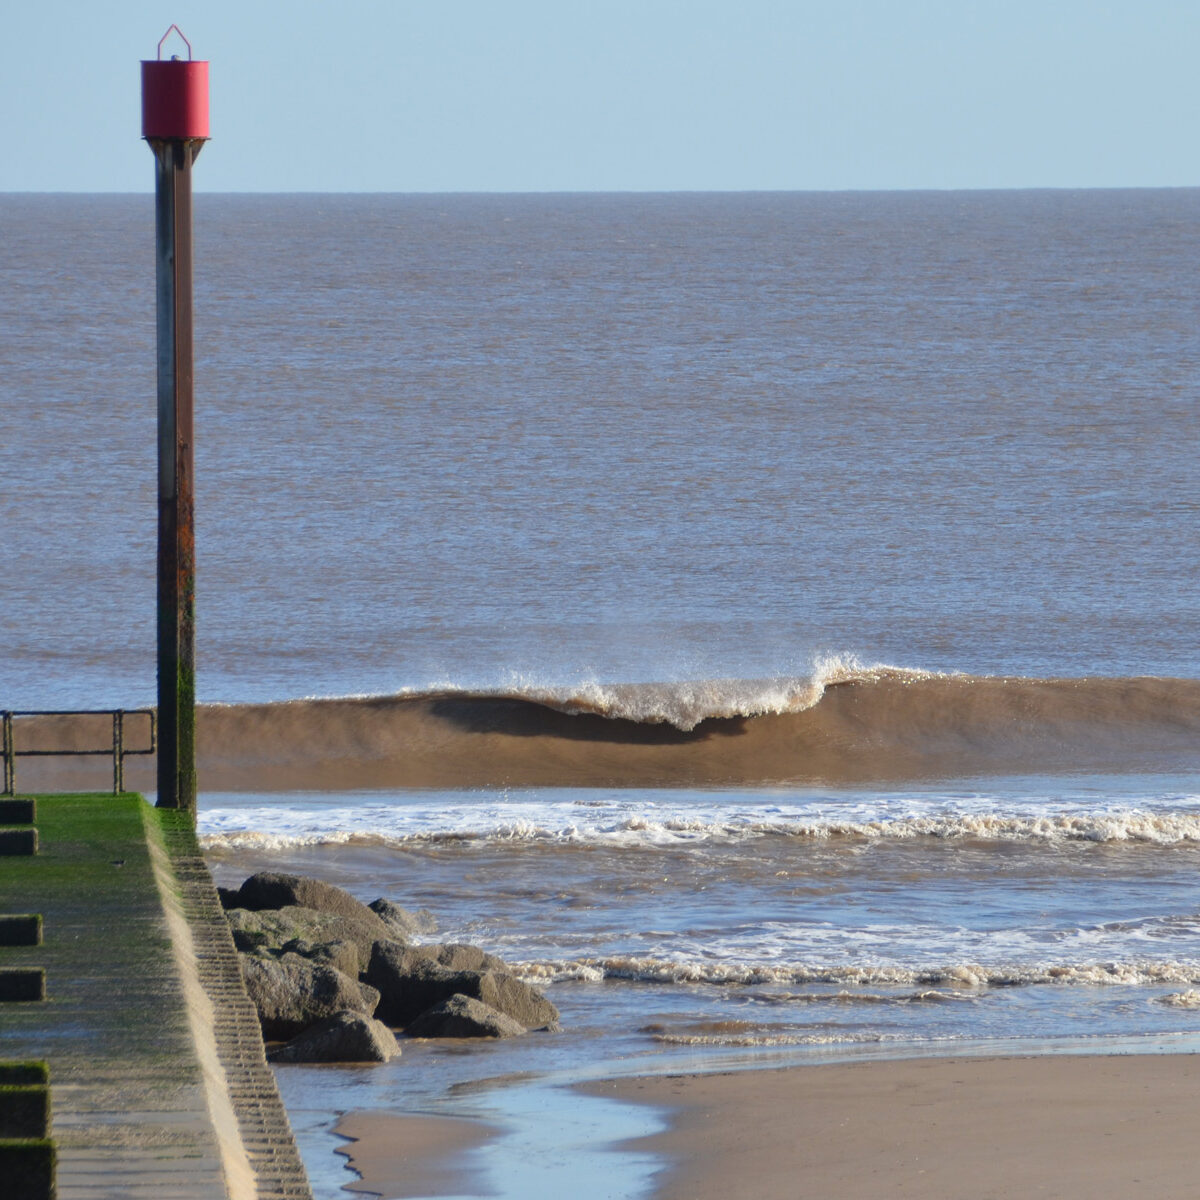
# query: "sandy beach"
{"type": "Point", "coordinates": [1092, 1128]}
{"type": "Point", "coordinates": [413, 1156]}
{"type": "Point", "coordinates": [939, 1129]}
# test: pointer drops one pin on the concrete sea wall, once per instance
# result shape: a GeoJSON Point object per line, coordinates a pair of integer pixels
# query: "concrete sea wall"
{"type": "Point", "coordinates": [158, 1080]}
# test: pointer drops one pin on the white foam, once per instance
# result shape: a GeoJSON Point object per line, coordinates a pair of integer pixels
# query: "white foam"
{"type": "Point", "coordinates": [771, 1039]}
{"type": "Point", "coordinates": [641, 822]}
{"type": "Point", "coordinates": [1188, 999]}
{"type": "Point", "coordinates": [926, 996]}
{"type": "Point", "coordinates": [963, 975]}
{"type": "Point", "coordinates": [685, 703]}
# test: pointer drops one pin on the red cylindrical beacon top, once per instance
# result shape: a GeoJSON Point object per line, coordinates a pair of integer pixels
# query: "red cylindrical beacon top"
{"type": "Point", "coordinates": [174, 99]}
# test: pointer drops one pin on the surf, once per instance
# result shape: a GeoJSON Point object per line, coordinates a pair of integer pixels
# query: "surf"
{"type": "Point", "coordinates": [847, 726]}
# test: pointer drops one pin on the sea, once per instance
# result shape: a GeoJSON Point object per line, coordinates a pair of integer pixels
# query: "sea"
{"type": "Point", "coordinates": [769, 621]}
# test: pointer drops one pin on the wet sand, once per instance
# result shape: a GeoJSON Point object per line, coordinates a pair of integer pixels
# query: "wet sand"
{"type": "Point", "coordinates": [1066, 1126]}
{"type": "Point", "coordinates": [1100, 1128]}
{"type": "Point", "coordinates": [413, 1156]}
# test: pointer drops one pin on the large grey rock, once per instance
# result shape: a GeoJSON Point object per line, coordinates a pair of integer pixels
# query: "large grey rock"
{"type": "Point", "coordinates": [343, 955]}
{"type": "Point", "coordinates": [343, 1037]}
{"type": "Point", "coordinates": [456, 956]}
{"type": "Point", "coordinates": [273, 929]}
{"type": "Point", "coordinates": [409, 984]}
{"type": "Point", "coordinates": [268, 889]}
{"type": "Point", "coordinates": [403, 923]}
{"type": "Point", "coordinates": [513, 997]}
{"type": "Point", "coordinates": [463, 1017]}
{"type": "Point", "coordinates": [291, 993]}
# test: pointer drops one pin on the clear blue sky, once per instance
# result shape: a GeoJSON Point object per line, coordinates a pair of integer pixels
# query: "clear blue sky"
{"type": "Point", "coordinates": [615, 95]}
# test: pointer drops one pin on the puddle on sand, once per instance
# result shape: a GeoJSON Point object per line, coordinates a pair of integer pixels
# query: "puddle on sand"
{"type": "Point", "coordinates": [556, 1140]}
{"type": "Point", "coordinates": [553, 1141]}
{"type": "Point", "coordinates": [561, 1142]}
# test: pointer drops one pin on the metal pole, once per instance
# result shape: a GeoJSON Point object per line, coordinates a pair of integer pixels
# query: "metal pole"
{"type": "Point", "coordinates": [10, 755]}
{"type": "Point", "coordinates": [175, 124]}
{"type": "Point", "coordinates": [118, 720]}
{"type": "Point", "coordinates": [176, 530]}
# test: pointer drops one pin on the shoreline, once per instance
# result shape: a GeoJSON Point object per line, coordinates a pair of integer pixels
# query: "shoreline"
{"type": "Point", "coordinates": [413, 1155]}
{"type": "Point", "coordinates": [1102, 1126]}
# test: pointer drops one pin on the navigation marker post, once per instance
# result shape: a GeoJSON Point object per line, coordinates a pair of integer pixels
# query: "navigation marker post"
{"type": "Point", "coordinates": [175, 124]}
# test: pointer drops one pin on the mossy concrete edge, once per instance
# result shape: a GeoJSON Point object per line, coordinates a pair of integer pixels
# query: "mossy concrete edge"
{"type": "Point", "coordinates": [265, 1134]}
{"type": "Point", "coordinates": [240, 1179]}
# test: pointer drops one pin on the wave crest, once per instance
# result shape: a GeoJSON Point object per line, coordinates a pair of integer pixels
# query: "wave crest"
{"type": "Point", "coordinates": [958, 975]}
{"type": "Point", "coordinates": [686, 704]}
{"type": "Point", "coordinates": [845, 724]}
{"type": "Point", "coordinates": [1138, 827]}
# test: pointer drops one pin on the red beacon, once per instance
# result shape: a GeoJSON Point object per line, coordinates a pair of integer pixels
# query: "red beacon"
{"type": "Point", "coordinates": [174, 96]}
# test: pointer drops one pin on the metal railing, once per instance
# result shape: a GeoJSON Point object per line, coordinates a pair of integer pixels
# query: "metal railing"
{"type": "Point", "coordinates": [118, 750]}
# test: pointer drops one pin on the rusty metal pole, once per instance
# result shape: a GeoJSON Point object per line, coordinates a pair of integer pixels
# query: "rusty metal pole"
{"type": "Point", "coordinates": [176, 530]}
{"type": "Point", "coordinates": [10, 754]}
{"type": "Point", "coordinates": [175, 124]}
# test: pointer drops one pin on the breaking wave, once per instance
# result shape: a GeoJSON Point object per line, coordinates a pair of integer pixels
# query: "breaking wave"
{"type": "Point", "coordinates": [959, 975]}
{"type": "Point", "coordinates": [684, 705]}
{"type": "Point", "coordinates": [845, 724]}
{"type": "Point", "coordinates": [1158, 829]}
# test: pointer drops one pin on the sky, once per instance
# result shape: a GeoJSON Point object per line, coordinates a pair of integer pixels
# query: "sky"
{"type": "Point", "coordinates": [614, 95]}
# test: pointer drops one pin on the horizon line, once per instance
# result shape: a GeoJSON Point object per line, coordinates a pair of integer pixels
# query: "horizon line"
{"type": "Point", "coordinates": [784, 191]}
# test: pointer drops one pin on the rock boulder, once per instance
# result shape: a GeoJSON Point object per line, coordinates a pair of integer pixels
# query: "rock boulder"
{"type": "Point", "coordinates": [291, 993]}
{"type": "Point", "coordinates": [343, 955]}
{"type": "Point", "coordinates": [507, 994]}
{"type": "Point", "coordinates": [272, 929]}
{"type": "Point", "coordinates": [463, 1017]}
{"type": "Point", "coordinates": [344, 1037]}
{"type": "Point", "coordinates": [403, 923]}
{"type": "Point", "coordinates": [457, 956]}
{"type": "Point", "coordinates": [269, 889]}
{"type": "Point", "coordinates": [409, 984]}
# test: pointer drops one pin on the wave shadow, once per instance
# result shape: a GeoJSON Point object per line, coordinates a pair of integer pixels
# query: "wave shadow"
{"type": "Point", "coordinates": [514, 717]}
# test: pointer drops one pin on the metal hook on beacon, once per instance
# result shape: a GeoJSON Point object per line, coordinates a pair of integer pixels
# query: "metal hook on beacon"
{"type": "Point", "coordinates": [174, 58]}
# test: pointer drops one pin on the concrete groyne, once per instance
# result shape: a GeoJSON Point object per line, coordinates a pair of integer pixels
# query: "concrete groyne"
{"type": "Point", "coordinates": [158, 1080]}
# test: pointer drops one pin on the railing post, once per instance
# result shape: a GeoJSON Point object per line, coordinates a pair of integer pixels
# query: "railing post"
{"type": "Point", "coordinates": [9, 752]}
{"type": "Point", "coordinates": [118, 751]}
{"type": "Point", "coordinates": [10, 757]}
